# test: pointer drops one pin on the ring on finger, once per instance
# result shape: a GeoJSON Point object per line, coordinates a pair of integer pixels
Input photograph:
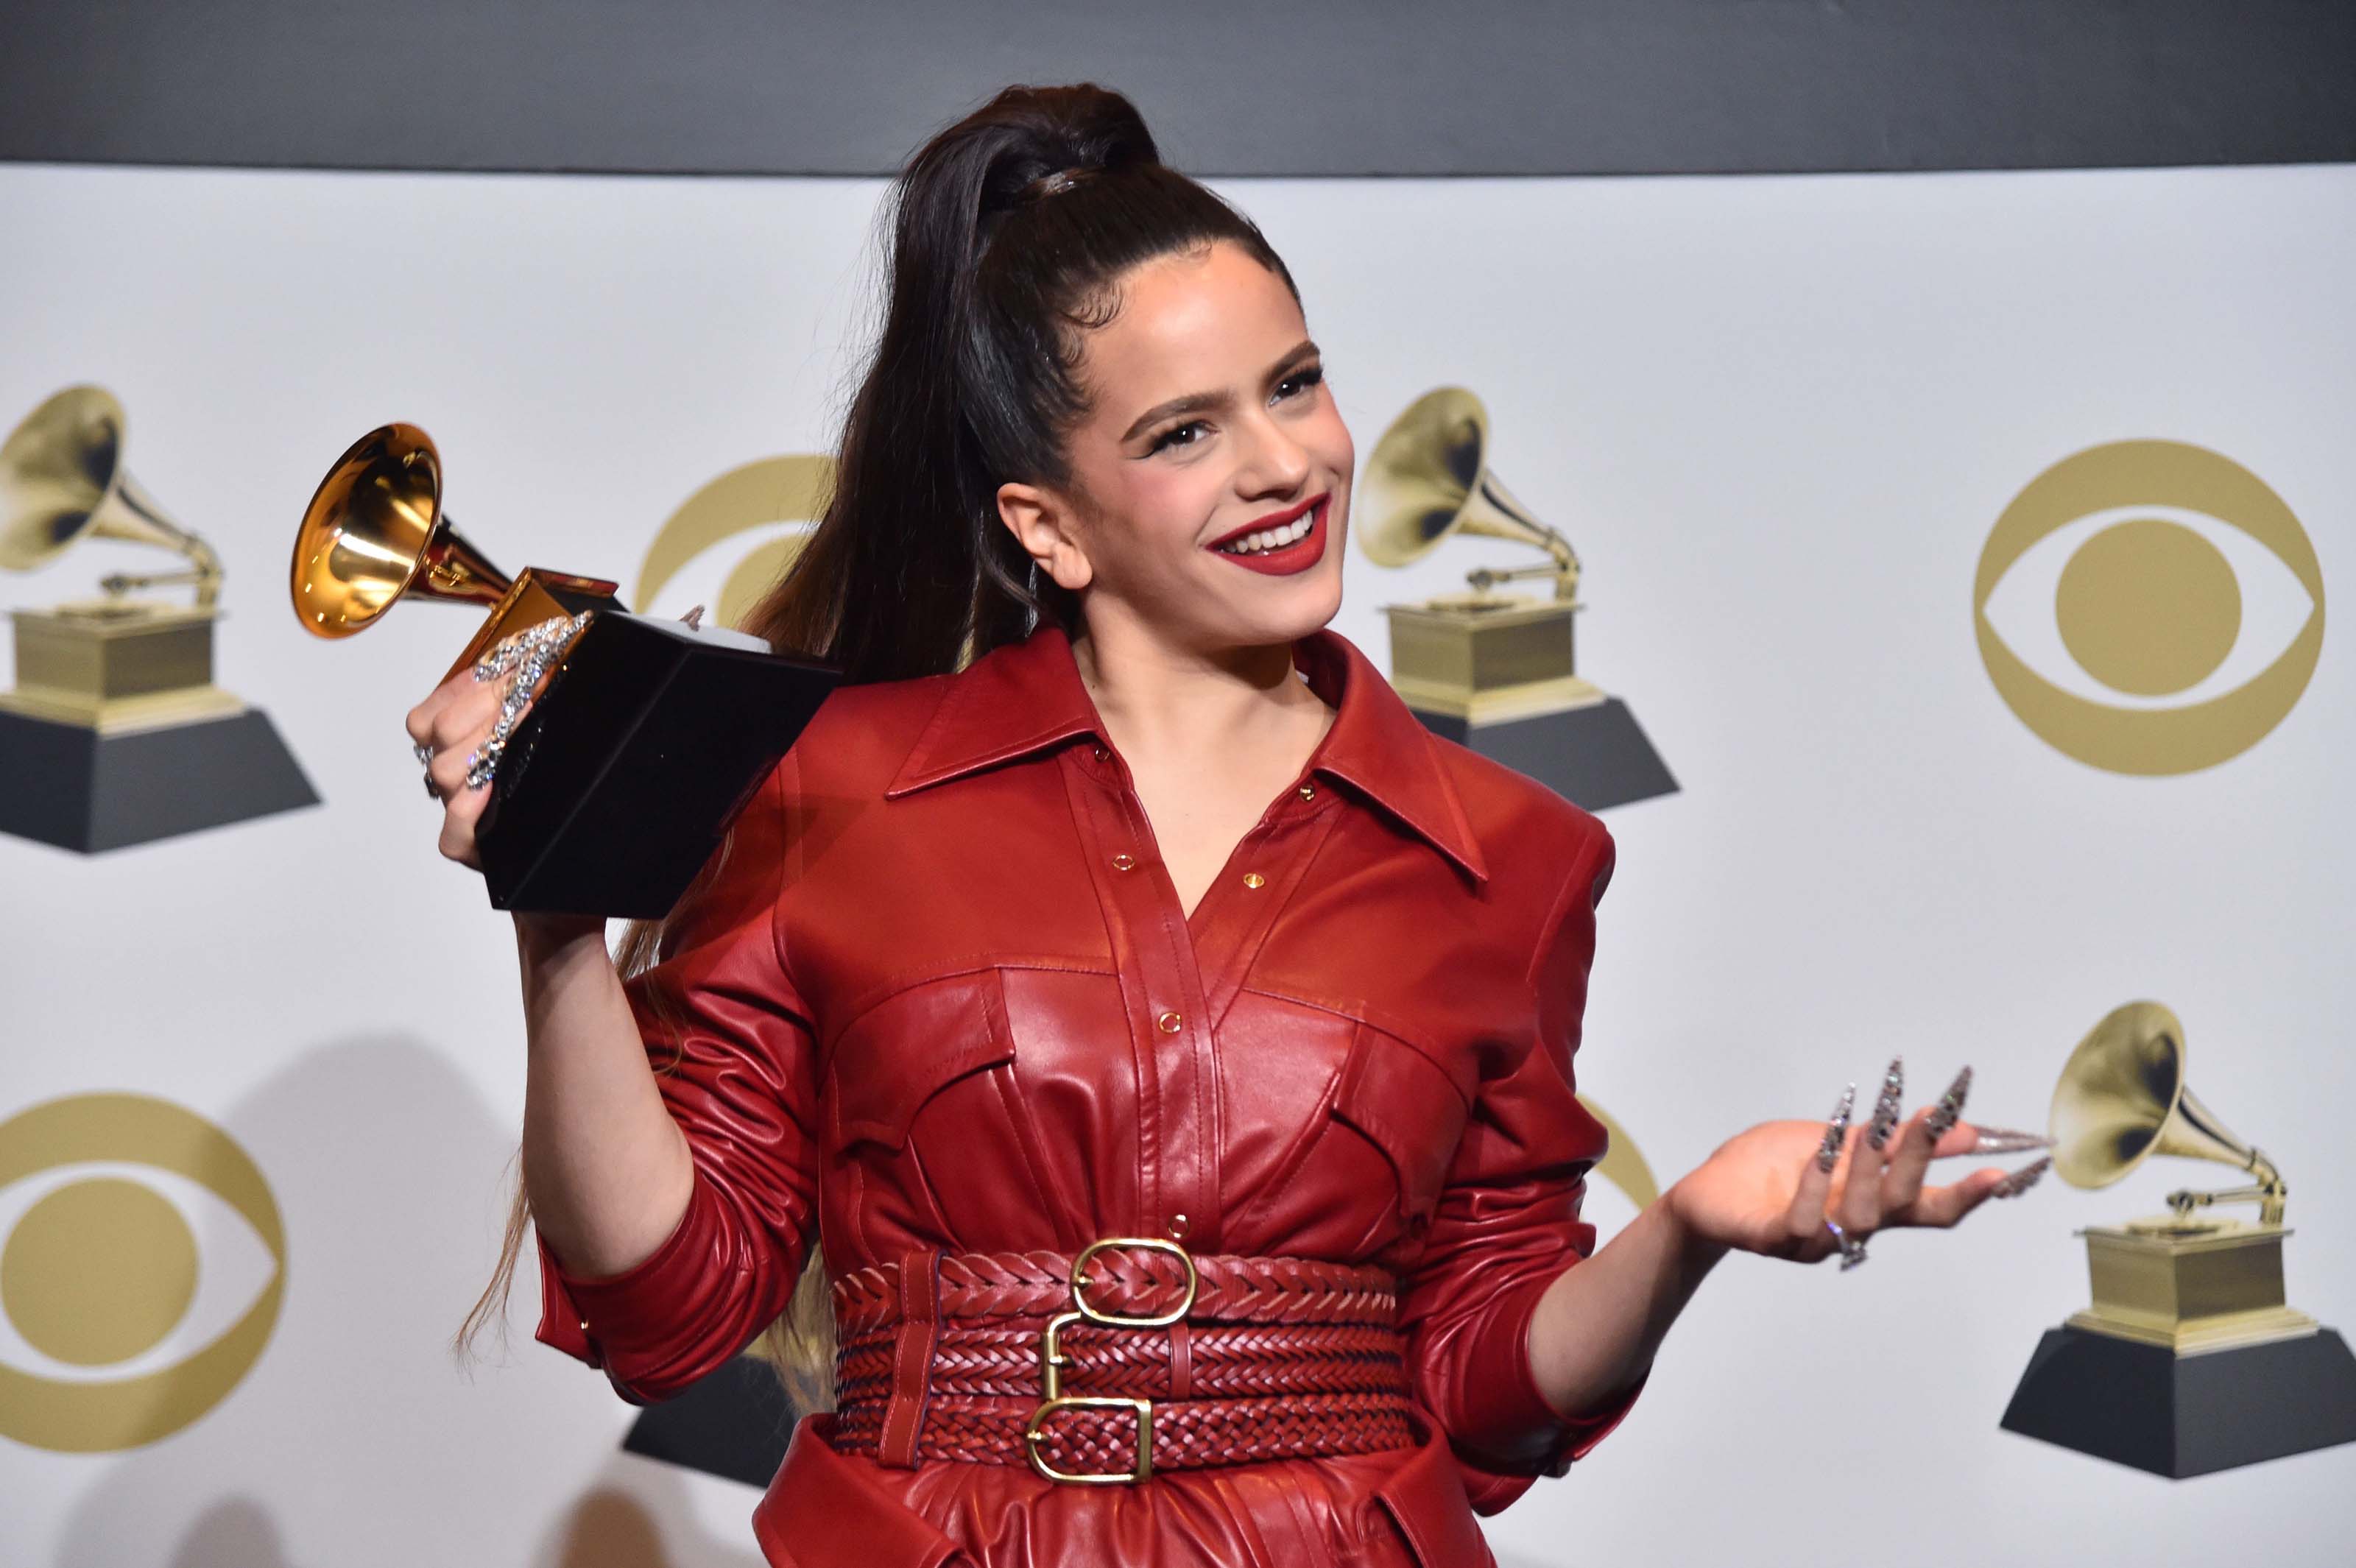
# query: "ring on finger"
{"type": "Point", "coordinates": [431, 787]}
{"type": "Point", "coordinates": [1852, 1247]}
{"type": "Point", "coordinates": [422, 749]}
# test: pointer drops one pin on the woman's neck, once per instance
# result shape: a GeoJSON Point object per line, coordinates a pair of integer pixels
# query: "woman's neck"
{"type": "Point", "coordinates": [1160, 702]}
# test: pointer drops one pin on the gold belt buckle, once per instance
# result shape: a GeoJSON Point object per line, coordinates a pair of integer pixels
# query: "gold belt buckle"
{"type": "Point", "coordinates": [1052, 1363]}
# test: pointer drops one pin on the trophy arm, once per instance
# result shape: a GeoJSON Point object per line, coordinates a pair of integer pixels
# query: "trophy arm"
{"type": "Point", "coordinates": [118, 584]}
{"type": "Point", "coordinates": [1565, 579]}
{"type": "Point", "coordinates": [156, 526]}
{"type": "Point", "coordinates": [2269, 1192]}
{"type": "Point", "coordinates": [1498, 505]}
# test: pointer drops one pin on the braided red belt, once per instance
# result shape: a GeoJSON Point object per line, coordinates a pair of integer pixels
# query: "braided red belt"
{"type": "Point", "coordinates": [1131, 1356]}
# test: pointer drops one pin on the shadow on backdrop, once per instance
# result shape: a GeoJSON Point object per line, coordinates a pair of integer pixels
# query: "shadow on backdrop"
{"type": "Point", "coordinates": [388, 1167]}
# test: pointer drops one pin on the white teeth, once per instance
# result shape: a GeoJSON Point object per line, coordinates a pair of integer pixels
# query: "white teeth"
{"type": "Point", "coordinates": [1273, 538]}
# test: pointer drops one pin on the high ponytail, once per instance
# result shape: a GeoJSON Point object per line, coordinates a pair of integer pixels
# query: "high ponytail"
{"type": "Point", "coordinates": [1010, 232]}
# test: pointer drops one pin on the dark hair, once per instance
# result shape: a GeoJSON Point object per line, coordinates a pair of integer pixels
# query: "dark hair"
{"type": "Point", "coordinates": [1010, 232]}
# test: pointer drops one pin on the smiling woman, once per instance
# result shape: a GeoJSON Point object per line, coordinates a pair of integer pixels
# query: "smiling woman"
{"type": "Point", "coordinates": [1241, 468]}
{"type": "Point", "coordinates": [1120, 1065]}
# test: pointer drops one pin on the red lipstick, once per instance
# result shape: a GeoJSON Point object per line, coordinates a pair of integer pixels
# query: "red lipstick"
{"type": "Point", "coordinates": [1299, 556]}
{"type": "Point", "coordinates": [1273, 520]}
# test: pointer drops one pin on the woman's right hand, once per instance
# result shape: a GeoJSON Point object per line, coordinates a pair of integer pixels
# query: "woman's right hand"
{"type": "Point", "coordinates": [457, 720]}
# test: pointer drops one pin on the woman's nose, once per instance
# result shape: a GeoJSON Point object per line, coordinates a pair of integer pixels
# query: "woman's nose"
{"type": "Point", "coordinates": [1273, 460]}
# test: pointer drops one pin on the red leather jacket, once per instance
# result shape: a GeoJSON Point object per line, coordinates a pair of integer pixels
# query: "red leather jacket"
{"type": "Point", "coordinates": [941, 994]}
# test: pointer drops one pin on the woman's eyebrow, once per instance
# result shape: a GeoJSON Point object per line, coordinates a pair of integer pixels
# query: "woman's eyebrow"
{"type": "Point", "coordinates": [1212, 402]}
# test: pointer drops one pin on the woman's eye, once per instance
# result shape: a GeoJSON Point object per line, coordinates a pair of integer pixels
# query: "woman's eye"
{"type": "Point", "coordinates": [1302, 379]}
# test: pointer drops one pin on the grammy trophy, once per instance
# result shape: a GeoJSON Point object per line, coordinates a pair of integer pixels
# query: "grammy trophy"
{"type": "Point", "coordinates": [651, 734]}
{"type": "Point", "coordinates": [2189, 1360]}
{"type": "Point", "coordinates": [1493, 671]}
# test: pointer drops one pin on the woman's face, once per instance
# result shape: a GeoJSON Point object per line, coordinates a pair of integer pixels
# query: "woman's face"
{"type": "Point", "coordinates": [1209, 419]}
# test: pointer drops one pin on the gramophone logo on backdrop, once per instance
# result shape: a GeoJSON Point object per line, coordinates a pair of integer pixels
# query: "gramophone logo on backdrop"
{"type": "Point", "coordinates": [1493, 672]}
{"type": "Point", "coordinates": [114, 734]}
{"type": "Point", "coordinates": [118, 1325]}
{"type": "Point", "coordinates": [2149, 607]}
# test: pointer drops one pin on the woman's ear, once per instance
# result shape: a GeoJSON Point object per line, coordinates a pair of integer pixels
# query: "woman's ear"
{"type": "Point", "coordinates": [1046, 526]}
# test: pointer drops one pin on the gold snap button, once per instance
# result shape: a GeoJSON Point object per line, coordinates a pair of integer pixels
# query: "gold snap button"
{"type": "Point", "coordinates": [1254, 880]}
{"type": "Point", "coordinates": [1123, 862]}
{"type": "Point", "coordinates": [1309, 792]}
{"type": "Point", "coordinates": [1099, 753]}
{"type": "Point", "coordinates": [1177, 1227]}
{"type": "Point", "coordinates": [1169, 1022]}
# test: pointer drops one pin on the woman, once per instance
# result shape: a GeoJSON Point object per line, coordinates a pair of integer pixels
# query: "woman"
{"type": "Point", "coordinates": [1148, 1013]}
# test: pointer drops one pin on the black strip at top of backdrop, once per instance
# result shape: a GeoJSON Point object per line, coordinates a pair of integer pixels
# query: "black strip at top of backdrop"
{"type": "Point", "coordinates": [1231, 86]}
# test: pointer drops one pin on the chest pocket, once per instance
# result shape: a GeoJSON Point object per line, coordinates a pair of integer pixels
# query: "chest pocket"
{"type": "Point", "coordinates": [1409, 1108]}
{"type": "Point", "coordinates": [929, 1042]}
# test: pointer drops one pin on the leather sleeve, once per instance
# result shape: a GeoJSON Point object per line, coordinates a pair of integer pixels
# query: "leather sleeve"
{"type": "Point", "coordinates": [732, 1052]}
{"type": "Point", "coordinates": [1508, 1223]}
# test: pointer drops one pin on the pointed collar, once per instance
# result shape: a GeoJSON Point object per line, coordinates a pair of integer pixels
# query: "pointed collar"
{"type": "Point", "coordinates": [1027, 696]}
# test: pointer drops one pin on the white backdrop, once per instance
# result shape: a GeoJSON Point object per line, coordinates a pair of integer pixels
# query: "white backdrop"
{"type": "Point", "coordinates": [1776, 416]}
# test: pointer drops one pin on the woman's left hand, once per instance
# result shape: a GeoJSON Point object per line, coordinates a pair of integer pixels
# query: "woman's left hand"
{"type": "Point", "coordinates": [1771, 1189]}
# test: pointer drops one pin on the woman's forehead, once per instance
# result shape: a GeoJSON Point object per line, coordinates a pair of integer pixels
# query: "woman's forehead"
{"type": "Point", "coordinates": [1189, 323]}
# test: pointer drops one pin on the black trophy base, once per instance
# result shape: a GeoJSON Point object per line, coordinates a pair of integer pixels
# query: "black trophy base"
{"type": "Point", "coordinates": [735, 1425]}
{"type": "Point", "coordinates": [1595, 757]}
{"type": "Point", "coordinates": [617, 785]}
{"type": "Point", "coordinates": [2186, 1416]}
{"type": "Point", "coordinates": [80, 790]}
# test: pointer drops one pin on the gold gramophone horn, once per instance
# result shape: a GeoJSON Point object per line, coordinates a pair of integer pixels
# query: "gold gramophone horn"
{"type": "Point", "coordinates": [1429, 477]}
{"type": "Point", "coordinates": [2122, 1098]}
{"type": "Point", "coordinates": [62, 480]}
{"type": "Point", "coordinates": [375, 531]}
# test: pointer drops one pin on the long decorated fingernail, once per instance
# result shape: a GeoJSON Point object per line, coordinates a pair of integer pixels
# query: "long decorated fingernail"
{"type": "Point", "coordinates": [2004, 1140]}
{"type": "Point", "coordinates": [2021, 1180]}
{"type": "Point", "coordinates": [1836, 1130]}
{"type": "Point", "coordinates": [1951, 1105]}
{"type": "Point", "coordinates": [1885, 1109]}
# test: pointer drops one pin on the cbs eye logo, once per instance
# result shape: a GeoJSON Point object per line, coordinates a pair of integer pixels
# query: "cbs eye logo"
{"type": "Point", "coordinates": [2149, 607]}
{"type": "Point", "coordinates": [117, 1327]}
